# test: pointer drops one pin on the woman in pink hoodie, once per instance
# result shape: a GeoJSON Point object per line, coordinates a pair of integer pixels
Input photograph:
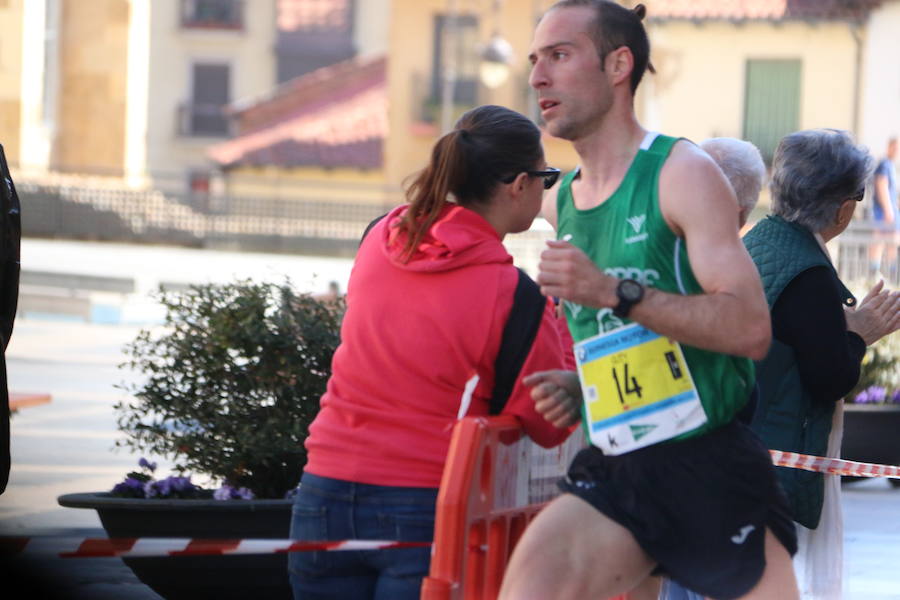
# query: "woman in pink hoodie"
{"type": "Point", "coordinates": [428, 298]}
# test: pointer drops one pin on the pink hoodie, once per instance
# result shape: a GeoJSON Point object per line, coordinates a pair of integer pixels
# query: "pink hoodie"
{"type": "Point", "coordinates": [418, 345]}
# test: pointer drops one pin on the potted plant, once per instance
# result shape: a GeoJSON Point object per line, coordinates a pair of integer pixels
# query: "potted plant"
{"type": "Point", "coordinates": [872, 409]}
{"type": "Point", "coordinates": [231, 386]}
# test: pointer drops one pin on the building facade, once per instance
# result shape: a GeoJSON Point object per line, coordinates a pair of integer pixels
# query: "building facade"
{"type": "Point", "coordinates": [138, 88]}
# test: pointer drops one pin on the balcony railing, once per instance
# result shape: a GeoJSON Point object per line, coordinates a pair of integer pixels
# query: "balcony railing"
{"type": "Point", "coordinates": [212, 14]}
{"type": "Point", "coordinates": [203, 120]}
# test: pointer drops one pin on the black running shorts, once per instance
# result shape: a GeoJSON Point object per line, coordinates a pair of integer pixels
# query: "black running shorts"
{"type": "Point", "coordinates": [698, 507]}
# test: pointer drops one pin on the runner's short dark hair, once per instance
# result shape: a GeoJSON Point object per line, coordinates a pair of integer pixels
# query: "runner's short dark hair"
{"type": "Point", "coordinates": [615, 26]}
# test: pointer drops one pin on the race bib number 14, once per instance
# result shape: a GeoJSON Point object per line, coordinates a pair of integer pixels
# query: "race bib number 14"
{"type": "Point", "coordinates": [637, 389]}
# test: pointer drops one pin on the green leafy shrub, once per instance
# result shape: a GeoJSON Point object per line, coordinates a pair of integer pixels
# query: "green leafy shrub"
{"type": "Point", "coordinates": [233, 383]}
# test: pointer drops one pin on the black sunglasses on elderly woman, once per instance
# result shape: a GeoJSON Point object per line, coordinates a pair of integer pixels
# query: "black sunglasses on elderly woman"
{"type": "Point", "coordinates": [550, 175]}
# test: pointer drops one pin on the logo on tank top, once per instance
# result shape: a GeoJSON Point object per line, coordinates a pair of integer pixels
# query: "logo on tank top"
{"type": "Point", "coordinates": [606, 320]}
{"type": "Point", "coordinates": [637, 223]}
{"type": "Point", "coordinates": [647, 277]}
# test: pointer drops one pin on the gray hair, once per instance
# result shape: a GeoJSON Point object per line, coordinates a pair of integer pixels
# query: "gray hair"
{"type": "Point", "coordinates": [743, 167]}
{"type": "Point", "coordinates": [814, 172]}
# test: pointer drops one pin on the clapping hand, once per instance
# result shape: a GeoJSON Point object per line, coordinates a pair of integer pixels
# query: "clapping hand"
{"type": "Point", "coordinates": [876, 316]}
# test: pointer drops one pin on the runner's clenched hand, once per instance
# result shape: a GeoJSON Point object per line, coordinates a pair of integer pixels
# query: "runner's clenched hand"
{"type": "Point", "coordinates": [556, 395]}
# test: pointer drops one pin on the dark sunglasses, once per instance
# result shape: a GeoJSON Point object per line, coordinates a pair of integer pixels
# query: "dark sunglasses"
{"type": "Point", "coordinates": [549, 174]}
{"type": "Point", "coordinates": [859, 195]}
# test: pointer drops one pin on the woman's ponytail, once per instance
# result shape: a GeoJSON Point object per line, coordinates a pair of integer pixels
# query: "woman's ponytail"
{"type": "Point", "coordinates": [428, 193]}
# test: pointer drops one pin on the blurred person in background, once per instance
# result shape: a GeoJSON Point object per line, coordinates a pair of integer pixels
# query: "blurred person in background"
{"type": "Point", "coordinates": [885, 213]}
{"type": "Point", "coordinates": [743, 167]}
{"type": "Point", "coordinates": [431, 292]}
{"type": "Point", "coordinates": [820, 333]}
{"type": "Point", "coordinates": [10, 239]}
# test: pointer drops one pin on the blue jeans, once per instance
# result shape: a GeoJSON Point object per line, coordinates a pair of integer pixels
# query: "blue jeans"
{"type": "Point", "coordinates": [330, 509]}
{"type": "Point", "coordinates": [673, 591]}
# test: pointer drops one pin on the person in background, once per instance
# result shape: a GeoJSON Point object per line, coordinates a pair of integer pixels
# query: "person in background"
{"type": "Point", "coordinates": [10, 240]}
{"type": "Point", "coordinates": [885, 212]}
{"type": "Point", "coordinates": [744, 168]}
{"type": "Point", "coordinates": [428, 299]}
{"type": "Point", "coordinates": [820, 332]}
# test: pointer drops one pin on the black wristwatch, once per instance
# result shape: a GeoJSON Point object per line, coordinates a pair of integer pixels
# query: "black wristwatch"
{"type": "Point", "coordinates": [629, 292]}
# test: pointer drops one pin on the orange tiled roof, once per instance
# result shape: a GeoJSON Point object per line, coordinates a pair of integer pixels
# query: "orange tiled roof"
{"type": "Point", "coordinates": [332, 117]}
{"type": "Point", "coordinates": [741, 10]}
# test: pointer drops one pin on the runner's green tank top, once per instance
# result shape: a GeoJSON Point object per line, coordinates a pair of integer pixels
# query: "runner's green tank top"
{"type": "Point", "coordinates": [627, 237]}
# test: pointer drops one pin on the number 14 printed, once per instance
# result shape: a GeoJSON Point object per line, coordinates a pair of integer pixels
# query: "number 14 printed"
{"type": "Point", "coordinates": [637, 388]}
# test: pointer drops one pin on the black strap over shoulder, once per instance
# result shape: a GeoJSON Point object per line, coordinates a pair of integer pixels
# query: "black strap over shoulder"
{"type": "Point", "coordinates": [518, 335]}
{"type": "Point", "coordinates": [369, 227]}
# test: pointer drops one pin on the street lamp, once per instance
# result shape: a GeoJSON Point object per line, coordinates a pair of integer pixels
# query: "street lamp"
{"type": "Point", "coordinates": [496, 57]}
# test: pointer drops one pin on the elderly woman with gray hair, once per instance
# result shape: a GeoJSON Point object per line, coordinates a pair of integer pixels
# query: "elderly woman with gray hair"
{"type": "Point", "coordinates": [819, 331]}
{"type": "Point", "coordinates": [743, 167]}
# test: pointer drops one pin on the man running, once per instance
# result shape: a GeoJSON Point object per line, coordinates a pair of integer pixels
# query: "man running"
{"type": "Point", "coordinates": [648, 230]}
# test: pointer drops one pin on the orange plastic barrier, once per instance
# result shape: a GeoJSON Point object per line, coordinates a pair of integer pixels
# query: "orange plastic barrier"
{"type": "Point", "coordinates": [486, 499]}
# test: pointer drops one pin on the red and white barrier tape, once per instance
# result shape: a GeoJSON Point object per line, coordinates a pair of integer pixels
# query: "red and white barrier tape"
{"type": "Point", "coordinates": [144, 547]}
{"type": "Point", "coordinates": [833, 466]}
{"type": "Point", "coordinates": [147, 547]}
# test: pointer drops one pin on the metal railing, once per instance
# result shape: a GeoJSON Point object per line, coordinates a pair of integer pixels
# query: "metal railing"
{"type": "Point", "coordinates": [326, 220]}
{"type": "Point", "coordinates": [203, 120]}
{"type": "Point", "coordinates": [212, 14]}
{"type": "Point", "coordinates": [312, 226]}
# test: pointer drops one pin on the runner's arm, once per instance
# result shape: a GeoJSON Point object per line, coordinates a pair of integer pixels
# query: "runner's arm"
{"type": "Point", "coordinates": [731, 316]}
{"type": "Point", "coordinates": [548, 205]}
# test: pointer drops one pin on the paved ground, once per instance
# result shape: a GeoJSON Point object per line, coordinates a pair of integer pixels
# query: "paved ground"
{"type": "Point", "coordinates": [66, 446]}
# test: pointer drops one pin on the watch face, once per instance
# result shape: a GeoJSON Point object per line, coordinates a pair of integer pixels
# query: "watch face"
{"type": "Point", "coordinates": [630, 290]}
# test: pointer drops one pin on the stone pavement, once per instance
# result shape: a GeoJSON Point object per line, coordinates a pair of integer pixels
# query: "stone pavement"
{"type": "Point", "coordinates": [66, 446]}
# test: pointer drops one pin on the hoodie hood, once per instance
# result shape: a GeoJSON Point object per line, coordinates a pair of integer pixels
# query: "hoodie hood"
{"type": "Point", "coordinates": [458, 238]}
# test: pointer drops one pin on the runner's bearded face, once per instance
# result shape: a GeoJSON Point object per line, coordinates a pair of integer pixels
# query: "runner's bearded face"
{"type": "Point", "coordinates": [573, 92]}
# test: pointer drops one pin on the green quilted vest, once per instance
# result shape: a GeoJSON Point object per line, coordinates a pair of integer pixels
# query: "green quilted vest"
{"type": "Point", "coordinates": [787, 418]}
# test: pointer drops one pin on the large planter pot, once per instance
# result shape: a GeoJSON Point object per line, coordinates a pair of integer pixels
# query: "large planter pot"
{"type": "Point", "coordinates": [872, 434]}
{"type": "Point", "coordinates": [238, 577]}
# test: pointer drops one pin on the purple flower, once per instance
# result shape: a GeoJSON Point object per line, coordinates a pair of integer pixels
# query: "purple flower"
{"type": "Point", "coordinates": [150, 490]}
{"type": "Point", "coordinates": [895, 398]}
{"type": "Point", "coordinates": [226, 492]}
{"type": "Point", "coordinates": [140, 484]}
{"type": "Point", "coordinates": [877, 393]}
{"type": "Point", "coordinates": [130, 488]}
{"type": "Point", "coordinates": [180, 484]}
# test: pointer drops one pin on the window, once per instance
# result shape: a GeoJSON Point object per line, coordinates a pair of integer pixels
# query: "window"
{"type": "Point", "coordinates": [463, 41]}
{"type": "Point", "coordinates": [212, 14]}
{"type": "Point", "coordinates": [204, 115]}
{"type": "Point", "coordinates": [313, 34]}
{"type": "Point", "coordinates": [772, 103]}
